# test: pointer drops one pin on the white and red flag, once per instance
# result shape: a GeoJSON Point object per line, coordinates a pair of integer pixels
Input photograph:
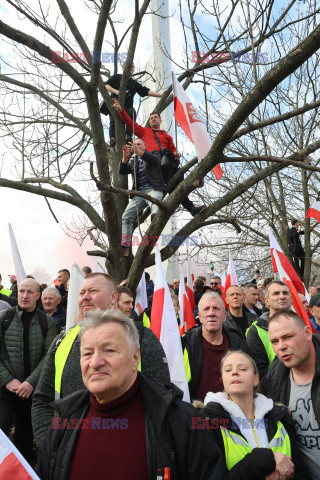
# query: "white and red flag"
{"type": "Point", "coordinates": [187, 320]}
{"type": "Point", "coordinates": [296, 302]}
{"type": "Point", "coordinates": [164, 324]}
{"type": "Point", "coordinates": [20, 273]}
{"type": "Point", "coordinates": [186, 115]}
{"type": "Point", "coordinates": [141, 301]}
{"type": "Point", "coordinates": [231, 278]}
{"type": "Point", "coordinates": [314, 211]}
{"type": "Point", "coordinates": [286, 265]}
{"type": "Point", "coordinates": [189, 285]}
{"type": "Point", "coordinates": [13, 466]}
{"type": "Point", "coordinates": [76, 279]}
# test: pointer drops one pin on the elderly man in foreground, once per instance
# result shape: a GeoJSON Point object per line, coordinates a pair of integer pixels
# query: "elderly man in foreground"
{"type": "Point", "coordinates": [125, 425]}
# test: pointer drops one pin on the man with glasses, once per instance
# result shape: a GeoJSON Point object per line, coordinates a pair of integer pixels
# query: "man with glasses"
{"type": "Point", "coordinates": [215, 284]}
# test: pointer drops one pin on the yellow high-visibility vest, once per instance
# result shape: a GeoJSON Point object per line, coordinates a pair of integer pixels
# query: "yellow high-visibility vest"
{"type": "Point", "coordinates": [264, 337]}
{"type": "Point", "coordinates": [236, 447]}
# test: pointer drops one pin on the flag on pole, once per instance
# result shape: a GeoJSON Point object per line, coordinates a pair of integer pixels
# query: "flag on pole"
{"type": "Point", "coordinates": [141, 301]}
{"type": "Point", "coordinates": [286, 265]}
{"type": "Point", "coordinates": [314, 211]}
{"type": "Point", "coordinates": [76, 279]}
{"type": "Point", "coordinates": [56, 282]}
{"type": "Point", "coordinates": [189, 285]}
{"type": "Point", "coordinates": [223, 278]}
{"type": "Point", "coordinates": [296, 302]}
{"type": "Point", "coordinates": [100, 268]}
{"type": "Point", "coordinates": [164, 324]}
{"type": "Point", "coordinates": [231, 278]}
{"type": "Point", "coordinates": [12, 463]}
{"type": "Point", "coordinates": [187, 320]}
{"type": "Point", "coordinates": [20, 273]}
{"type": "Point", "coordinates": [186, 115]}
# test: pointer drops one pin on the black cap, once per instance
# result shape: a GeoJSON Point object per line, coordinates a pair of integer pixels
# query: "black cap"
{"type": "Point", "coordinates": [315, 300]}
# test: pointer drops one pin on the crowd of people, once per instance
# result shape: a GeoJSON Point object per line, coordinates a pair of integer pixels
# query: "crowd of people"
{"type": "Point", "coordinates": [98, 397]}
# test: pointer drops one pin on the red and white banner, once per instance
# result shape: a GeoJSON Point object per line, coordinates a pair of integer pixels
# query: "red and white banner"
{"type": "Point", "coordinates": [286, 265]}
{"type": "Point", "coordinates": [296, 302]}
{"type": "Point", "coordinates": [314, 211]}
{"type": "Point", "coordinates": [189, 285]}
{"type": "Point", "coordinates": [75, 282]}
{"type": "Point", "coordinates": [164, 324]}
{"type": "Point", "coordinates": [20, 273]}
{"type": "Point", "coordinates": [141, 301]}
{"type": "Point", "coordinates": [231, 278]}
{"type": "Point", "coordinates": [187, 320]}
{"type": "Point", "coordinates": [186, 115]}
{"type": "Point", "coordinates": [13, 466]}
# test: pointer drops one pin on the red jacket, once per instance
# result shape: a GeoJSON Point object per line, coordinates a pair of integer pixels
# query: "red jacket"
{"type": "Point", "coordinates": [147, 134]}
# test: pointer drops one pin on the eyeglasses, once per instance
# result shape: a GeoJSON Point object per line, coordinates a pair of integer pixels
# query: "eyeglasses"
{"type": "Point", "coordinates": [214, 283]}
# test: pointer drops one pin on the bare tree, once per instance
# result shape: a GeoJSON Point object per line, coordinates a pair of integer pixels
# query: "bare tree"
{"type": "Point", "coordinates": [58, 130]}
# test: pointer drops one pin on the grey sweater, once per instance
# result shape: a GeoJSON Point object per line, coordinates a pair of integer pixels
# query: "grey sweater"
{"type": "Point", "coordinates": [153, 363]}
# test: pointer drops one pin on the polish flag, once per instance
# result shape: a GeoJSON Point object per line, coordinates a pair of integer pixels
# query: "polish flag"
{"type": "Point", "coordinates": [314, 211]}
{"type": "Point", "coordinates": [56, 282]}
{"type": "Point", "coordinates": [189, 285]}
{"type": "Point", "coordinates": [187, 320]}
{"type": "Point", "coordinates": [20, 273]}
{"type": "Point", "coordinates": [286, 265]}
{"type": "Point", "coordinates": [12, 463]}
{"type": "Point", "coordinates": [231, 278]}
{"type": "Point", "coordinates": [76, 279]}
{"type": "Point", "coordinates": [164, 324]}
{"type": "Point", "coordinates": [296, 302]}
{"type": "Point", "coordinates": [141, 301]}
{"type": "Point", "coordinates": [186, 115]}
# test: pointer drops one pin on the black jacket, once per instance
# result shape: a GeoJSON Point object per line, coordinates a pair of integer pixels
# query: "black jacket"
{"type": "Point", "coordinates": [152, 168]}
{"type": "Point", "coordinates": [260, 462]}
{"type": "Point", "coordinates": [294, 240]}
{"type": "Point", "coordinates": [192, 341]}
{"type": "Point", "coordinates": [277, 383]}
{"type": "Point", "coordinates": [230, 321]}
{"type": "Point", "coordinates": [256, 309]}
{"type": "Point", "coordinates": [170, 441]}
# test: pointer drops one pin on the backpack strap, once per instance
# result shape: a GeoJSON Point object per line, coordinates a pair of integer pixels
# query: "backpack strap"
{"type": "Point", "coordinates": [43, 322]}
{"type": "Point", "coordinates": [6, 322]}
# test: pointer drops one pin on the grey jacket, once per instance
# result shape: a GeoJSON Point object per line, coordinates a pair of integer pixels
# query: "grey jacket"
{"type": "Point", "coordinates": [153, 363]}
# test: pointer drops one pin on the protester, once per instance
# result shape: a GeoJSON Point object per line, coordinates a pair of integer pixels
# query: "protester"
{"type": "Point", "coordinates": [278, 297]}
{"type": "Point", "coordinates": [14, 286]}
{"type": "Point", "coordinates": [132, 87]}
{"type": "Point", "coordinates": [238, 318]}
{"type": "Point", "coordinates": [198, 286]}
{"type": "Point", "coordinates": [215, 284]}
{"type": "Point", "coordinates": [86, 270]}
{"type": "Point", "coordinates": [294, 380]}
{"type": "Point", "coordinates": [315, 311]}
{"type": "Point", "coordinates": [144, 427]}
{"type": "Point", "coordinates": [63, 277]}
{"type": "Point", "coordinates": [255, 434]}
{"type": "Point", "coordinates": [149, 284]}
{"type": "Point", "coordinates": [251, 297]}
{"type": "Point", "coordinates": [51, 304]}
{"type": "Point", "coordinates": [125, 300]}
{"type": "Point", "coordinates": [314, 289]}
{"type": "Point", "coordinates": [204, 346]}
{"type": "Point", "coordinates": [295, 247]}
{"type": "Point", "coordinates": [146, 174]}
{"type": "Point", "coordinates": [255, 278]}
{"type": "Point", "coordinates": [61, 373]}
{"type": "Point", "coordinates": [175, 285]}
{"type": "Point", "coordinates": [158, 140]}
{"type": "Point", "coordinates": [26, 335]}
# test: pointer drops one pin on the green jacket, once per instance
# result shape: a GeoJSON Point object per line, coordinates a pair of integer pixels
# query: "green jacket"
{"type": "Point", "coordinates": [11, 365]}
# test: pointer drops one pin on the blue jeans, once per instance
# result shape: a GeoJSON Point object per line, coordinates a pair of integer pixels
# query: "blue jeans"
{"type": "Point", "coordinates": [130, 214]}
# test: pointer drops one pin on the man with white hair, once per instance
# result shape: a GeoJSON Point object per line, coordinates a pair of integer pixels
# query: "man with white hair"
{"type": "Point", "coordinates": [61, 373]}
{"type": "Point", "coordinates": [26, 334]}
{"type": "Point", "coordinates": [124, 425]}
{"type": "Point", "coordinates": [204, 346]}
{"type": "Point", "coordinates": [51, 305]}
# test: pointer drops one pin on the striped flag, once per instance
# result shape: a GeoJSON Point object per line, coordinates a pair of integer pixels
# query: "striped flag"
{"type": "Point", "coordinates": [286, 265]}
{"type": "Point", "coordinates": [13, 466]}
{"type": "Point", "coordinates": [186, 115]}
{"type": "Point", "coordinates": [187, 320]}
{"type": "Point", "coordinates": [164, 324]}
{"type": "Point", "coordinates": [296, 302]}
{"type": "Point", "coordinates": [189, 285]}
{"type": "Point", "coordinates": [231, 278]}
{"type": "Point", "coordinates": [314, 211]}
{"type": "Point", "coordinates": [20, 273]}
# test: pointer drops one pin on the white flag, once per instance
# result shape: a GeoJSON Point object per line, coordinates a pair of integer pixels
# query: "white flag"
{"type": "Point", "coordinates": [20, 273]}
{"type": "Point", "coordinates": [75, 282]}
{"type": "Point", "coordinates": [141, 301]}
